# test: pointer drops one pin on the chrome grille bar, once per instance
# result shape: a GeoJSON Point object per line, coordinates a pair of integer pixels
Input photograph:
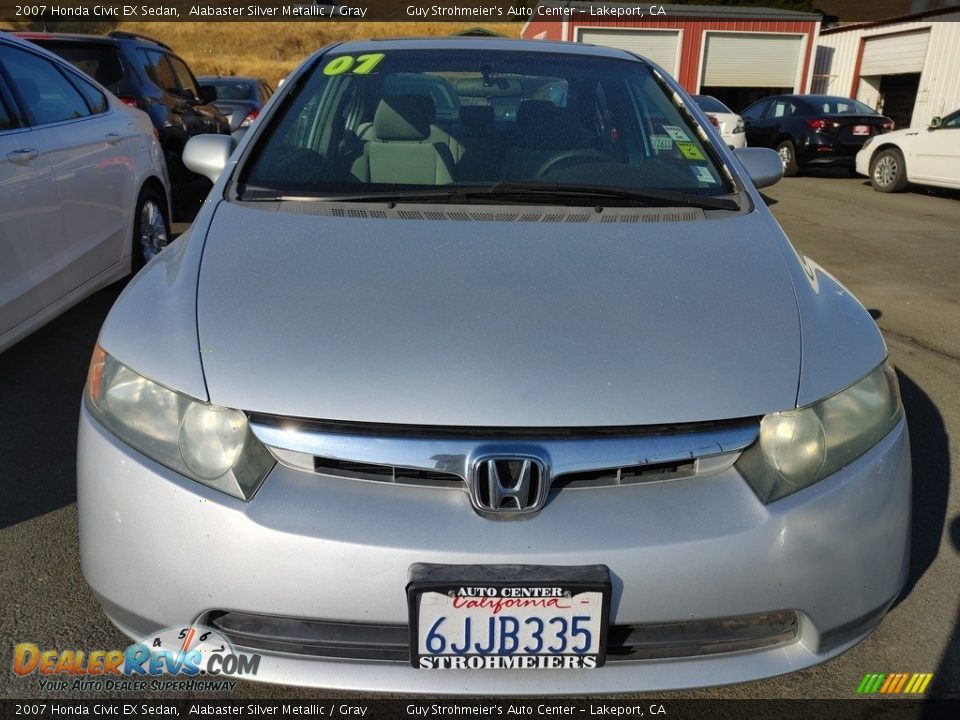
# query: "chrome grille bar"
{"type": "Point", "coordinates": [454, 455]}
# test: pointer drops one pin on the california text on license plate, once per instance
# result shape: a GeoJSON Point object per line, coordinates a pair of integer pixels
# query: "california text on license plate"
{"type": "Point", "coordinates": [517, 625]}
{"type": "Point", "coordinates": [861, 129]}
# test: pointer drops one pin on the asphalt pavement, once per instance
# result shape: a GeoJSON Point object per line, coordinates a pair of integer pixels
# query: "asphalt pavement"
{"type": "Point", "coordinates": [900, 254]}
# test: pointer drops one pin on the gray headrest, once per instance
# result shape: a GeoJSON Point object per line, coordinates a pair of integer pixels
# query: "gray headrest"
{"type": "Point", "coordinates": [404, 117]}
{"type": "Point", "coordinates": [477, 117]}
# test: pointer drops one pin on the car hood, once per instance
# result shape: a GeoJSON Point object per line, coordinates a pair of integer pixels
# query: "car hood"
{"type": "Point", "coordinates": [504, 324]}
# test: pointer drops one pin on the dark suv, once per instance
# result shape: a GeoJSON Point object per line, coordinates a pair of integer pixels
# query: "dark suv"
{"type": "Point", "coordinates": [145, 74]}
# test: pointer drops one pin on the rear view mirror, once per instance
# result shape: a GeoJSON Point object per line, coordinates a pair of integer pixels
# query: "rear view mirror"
{"type": "Point", "coordinates": [207, 155]}
{"type": "Point", "coordinates": [763, 165]}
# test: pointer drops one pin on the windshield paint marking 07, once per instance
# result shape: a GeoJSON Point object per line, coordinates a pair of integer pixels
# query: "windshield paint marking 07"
{"type": "Point", "coordinates": [359, 65]}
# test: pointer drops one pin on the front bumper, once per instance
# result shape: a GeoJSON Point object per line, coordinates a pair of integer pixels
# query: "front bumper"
{"type": "Point", "coordinates": [160, 550]}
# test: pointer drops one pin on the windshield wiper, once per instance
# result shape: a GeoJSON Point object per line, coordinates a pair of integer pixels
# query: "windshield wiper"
{"type": "Point", "coordinates": [641, 197]}
{"type": "Point", "coordinates": [515, 191]}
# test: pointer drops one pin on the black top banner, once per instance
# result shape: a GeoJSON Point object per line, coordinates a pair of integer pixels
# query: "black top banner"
{"type": "Point", "coordinates": [51, 12]}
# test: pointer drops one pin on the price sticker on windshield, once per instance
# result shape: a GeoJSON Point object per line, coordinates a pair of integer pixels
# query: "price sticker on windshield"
{"type": "Point", "coordinates": [676, 133]}
{"type": "Point", "coordinates": [690, 151]}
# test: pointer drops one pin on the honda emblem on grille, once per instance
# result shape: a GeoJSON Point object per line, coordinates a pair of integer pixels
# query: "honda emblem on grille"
{"type": "Point", "coordinates": [508, 485]}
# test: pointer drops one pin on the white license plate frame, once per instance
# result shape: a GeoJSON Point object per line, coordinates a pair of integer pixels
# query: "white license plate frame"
{"type": "Point", "coordinates": [507, 611]}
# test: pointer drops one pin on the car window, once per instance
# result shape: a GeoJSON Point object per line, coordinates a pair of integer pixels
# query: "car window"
{"type": "Point", "coordinates": [232, 90]}
{"type": "Point", "coordinates": [347, 129]}
{"type": "Point", "coordinates": [710, 104]}
{"type": "Point", "coordinates": [99, 61]}
{"type": "Point", "coordinates": [6, 123]}
{"type": "Point", "coordinates": [756, 111]}
{"type": "Point", "coordinates": [46, 94]}
{"type": "Point", "coordinates": [843, 106]}
{"type": "Point", "coordinates": [157, 68]}
{"type": "Point", "coordinates": [782, 108]}
{"type": "Point", "coordinates": [188, 86]}
{"type": "Point", "coordinates": [952, 121]}
{"type": "Point", "coordinates": [96, 100]}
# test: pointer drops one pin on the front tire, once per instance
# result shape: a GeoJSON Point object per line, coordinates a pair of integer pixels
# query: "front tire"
{"type": "Point", "coordinates": [888, 171]}
{"type": "Point", "coordinates": [151, 228]}
{"type": "Point", "coordinates": [788, 154]}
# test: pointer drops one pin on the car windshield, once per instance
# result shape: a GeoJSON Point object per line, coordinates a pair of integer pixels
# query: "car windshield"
{"type": "Point", "coordinates": [98, 60]}
{"type": "Point", "coordinates": [232, 90]}
{"type": "Point", "coordinates": [841, 106]}
{"type": "Point", "coordinates": [379, 121]}
{"type": "Point", "coordinates": [711, 104]}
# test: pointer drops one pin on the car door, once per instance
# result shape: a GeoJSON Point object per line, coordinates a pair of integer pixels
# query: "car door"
{"type": "Point", "coordinates": [934, 153]}
{"type": "Point", "coordinates": [752, 121]}
{"type": "Point", "coordinates": [201, 119]}
{"type": "Point", "coordinates": [31, 254]}
{"type": "Point", "coordinates": [92, 170]}
{"type": "Point", "coordinates": [776, 122]}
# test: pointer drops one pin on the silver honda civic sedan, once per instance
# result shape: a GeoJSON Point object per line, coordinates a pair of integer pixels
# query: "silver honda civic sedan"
{"type": "Point", "coordinates": [530, 396]}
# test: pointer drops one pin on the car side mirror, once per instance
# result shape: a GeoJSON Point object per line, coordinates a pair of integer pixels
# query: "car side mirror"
{"type": "Point", "coordinates": [935, 122]}
{"type": "Point", "coordinates": [207, 155]}
{"type": "Point", "coordinates": [208, 93]}
{"type": "Point", "coordinates": [763, 165]}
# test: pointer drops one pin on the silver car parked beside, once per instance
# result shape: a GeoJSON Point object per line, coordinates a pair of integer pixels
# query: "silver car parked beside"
{"type": "Point", "coordinates": [83, 188]}
{"type": "Point", "coordinates": [527, 402]}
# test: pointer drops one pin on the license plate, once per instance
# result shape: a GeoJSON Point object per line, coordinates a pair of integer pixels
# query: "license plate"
{"type": "Point", "coordinates": [861, 129]}
{"type": "Point", "coordinates": [543, 620]}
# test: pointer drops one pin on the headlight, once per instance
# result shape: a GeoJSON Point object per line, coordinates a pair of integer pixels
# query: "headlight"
{"type": "Point", "coordinates": [797, 448]}
{"type": "Point", "coordinates": [207, 443]}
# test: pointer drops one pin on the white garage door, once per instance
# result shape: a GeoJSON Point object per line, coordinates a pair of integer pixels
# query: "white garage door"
{"type": "Point", "coordinates": [751, 60]}
{"type": "Point", "coordinates": [660, 46]}
{"type": "Point", "coordinates": [892, 54]}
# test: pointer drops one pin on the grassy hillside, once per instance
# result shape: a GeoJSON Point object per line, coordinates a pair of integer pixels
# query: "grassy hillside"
{"type": "Point", "coordinates": [269, 49]}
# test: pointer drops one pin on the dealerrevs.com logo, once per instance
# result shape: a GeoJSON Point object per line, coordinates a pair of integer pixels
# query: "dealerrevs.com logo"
{"type": "Point", "coordinates": [190, 658]}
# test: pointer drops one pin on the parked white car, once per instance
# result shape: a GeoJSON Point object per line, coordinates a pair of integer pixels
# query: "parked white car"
{"type": "Point", "coordinates": [930, 156]}
{"type": "Point", "coordinates": [724, 119]}
{"type": "Point", "coordinates": [83, 188]}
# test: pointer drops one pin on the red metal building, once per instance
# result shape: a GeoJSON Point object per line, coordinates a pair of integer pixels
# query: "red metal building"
{"type": "Point", "coordinates": [735, 54]}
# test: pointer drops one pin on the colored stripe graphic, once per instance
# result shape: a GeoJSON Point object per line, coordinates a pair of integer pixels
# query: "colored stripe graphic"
{"type": "Point", "coordinates": [894, 683]}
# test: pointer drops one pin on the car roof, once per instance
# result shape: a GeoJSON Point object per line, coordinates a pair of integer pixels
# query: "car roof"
{"type": "Point", "coordinates": [232, 78]}
{"type": "Point", "coordinates": [477, 43]}
{"type": "Point", "coordinates": [23, 40]}
{"type": "Point", "coordinates": [115, 38]}
{"type": "Point", "coordinates": [15, 39]}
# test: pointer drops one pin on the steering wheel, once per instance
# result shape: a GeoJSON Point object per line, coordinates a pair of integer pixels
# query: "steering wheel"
{"type": "Point", "coordinates": [576, 156]}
